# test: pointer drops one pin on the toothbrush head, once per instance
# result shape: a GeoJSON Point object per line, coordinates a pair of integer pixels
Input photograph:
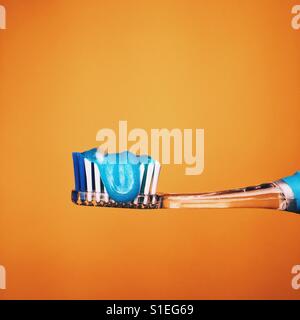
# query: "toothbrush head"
{"type": "Point", "coordinates": [90, 188]}
{"type": "Point", "coordinates": [96, 199]}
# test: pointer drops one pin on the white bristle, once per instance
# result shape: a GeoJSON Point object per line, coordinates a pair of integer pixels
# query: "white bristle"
{"type": "Point", "coordinates": [155, 177]}
{"type": "Point", "coordinates": [106, 197]}
{"type": "Point", "coordinates": [97, 182]}
{"type": "Point", "coordinates": [89, 184]}
{"type": "Point", "coordinates": [142, 170]}
{"type": "Point", "coordinates": [99, 186]}
{"type": "Point", "coordinates": [149, 176]}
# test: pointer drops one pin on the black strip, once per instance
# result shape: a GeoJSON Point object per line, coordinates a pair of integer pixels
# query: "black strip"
{"type": "Point", "coordinates": [151, 309]}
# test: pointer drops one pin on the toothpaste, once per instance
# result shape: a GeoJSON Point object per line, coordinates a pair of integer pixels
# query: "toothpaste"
{"type": "Point", "coordinates": [120, 172]}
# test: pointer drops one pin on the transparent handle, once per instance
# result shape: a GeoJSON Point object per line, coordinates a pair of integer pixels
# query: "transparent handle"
{"type": "Point", "coordinates": [268, 195]}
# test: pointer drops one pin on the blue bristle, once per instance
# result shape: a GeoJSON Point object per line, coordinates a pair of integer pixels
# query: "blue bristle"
{"type": "Point", "coordinates": [82, 176]}
{"type": "Point", "coordinates": [76, 171]}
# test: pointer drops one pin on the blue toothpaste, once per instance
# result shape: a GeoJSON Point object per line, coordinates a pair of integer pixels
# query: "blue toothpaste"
{"type": "Point", "coordinates": [120, 172]}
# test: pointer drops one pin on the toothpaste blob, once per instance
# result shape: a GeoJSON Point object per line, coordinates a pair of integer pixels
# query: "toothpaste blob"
{"type": "Point", "coordinates": [120, 172]}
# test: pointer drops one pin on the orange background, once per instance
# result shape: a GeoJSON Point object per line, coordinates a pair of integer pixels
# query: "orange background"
{"type": "Point", "coordinates": [69, 68]}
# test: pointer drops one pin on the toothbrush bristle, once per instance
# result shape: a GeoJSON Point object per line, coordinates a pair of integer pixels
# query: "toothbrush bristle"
{"type": "Point", "coordinates": [90, 190]}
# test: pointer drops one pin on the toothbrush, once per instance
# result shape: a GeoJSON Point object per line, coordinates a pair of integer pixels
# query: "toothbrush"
{"type": "Point", "coordinates": [283, 194]}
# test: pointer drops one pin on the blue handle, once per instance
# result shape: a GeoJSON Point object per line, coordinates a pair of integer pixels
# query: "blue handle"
{"type": "Point", "coordinates": [294, 183]}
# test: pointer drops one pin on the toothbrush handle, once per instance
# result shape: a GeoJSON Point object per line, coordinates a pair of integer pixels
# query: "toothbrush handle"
{"type": "Point", "coordinates": [268, 195]}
